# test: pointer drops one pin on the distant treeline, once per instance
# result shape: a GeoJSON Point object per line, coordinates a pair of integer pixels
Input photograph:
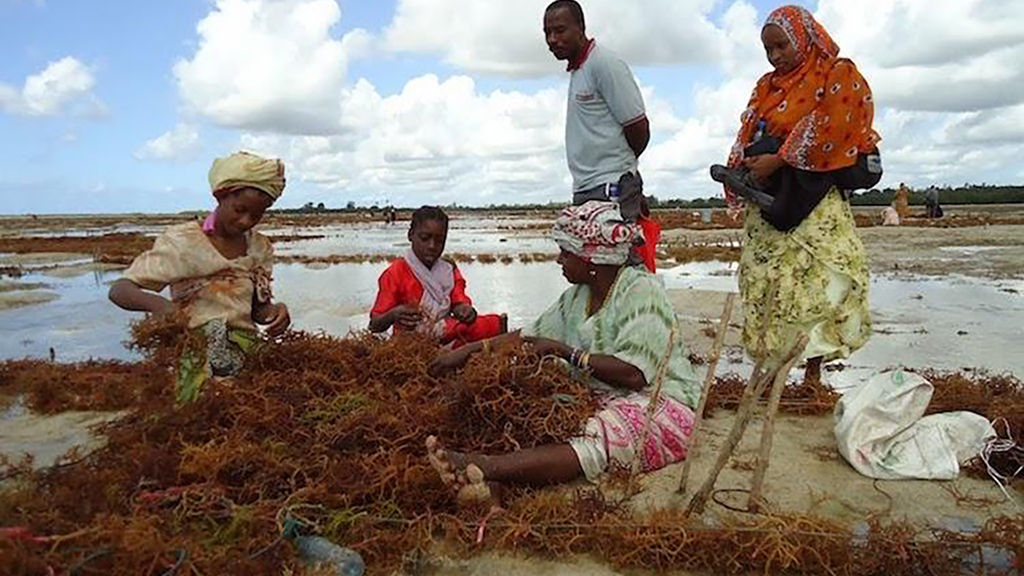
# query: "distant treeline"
{"type": "Point", "coordinates": [966, 194]}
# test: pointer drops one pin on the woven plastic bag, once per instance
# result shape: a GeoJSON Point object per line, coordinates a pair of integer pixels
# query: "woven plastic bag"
{"type": "Point", "coordinates": [881, 432]}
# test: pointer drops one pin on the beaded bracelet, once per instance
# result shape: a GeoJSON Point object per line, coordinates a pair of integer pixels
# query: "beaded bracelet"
{"type": "Point", "coordinates": [580, 358]}
{"type": "Point", "coordinates": [574, 357]}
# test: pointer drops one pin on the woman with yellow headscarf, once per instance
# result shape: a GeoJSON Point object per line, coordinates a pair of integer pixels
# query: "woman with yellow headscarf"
{"type": "Point", "coordinates": [218, 270]}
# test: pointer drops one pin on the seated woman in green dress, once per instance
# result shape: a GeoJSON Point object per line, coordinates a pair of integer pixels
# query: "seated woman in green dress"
{"type": "Point", "coordinates": [616, 325]}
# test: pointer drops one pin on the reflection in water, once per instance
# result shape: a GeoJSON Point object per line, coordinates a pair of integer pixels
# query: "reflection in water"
{"type": "Point", "coordinates": [946, 324]}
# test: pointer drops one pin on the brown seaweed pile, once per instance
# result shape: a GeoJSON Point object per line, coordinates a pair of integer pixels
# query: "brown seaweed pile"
{"type": "Point", "coordinates": [111, 248]}
{"type": "Point", "coordinates": [458, 257]}
{"type": "Point", "coordinates": [797, 398]}
{"type": "Point", "coordinates": [329, 432]}
{"type": "Point", "coordinates": [324, 429]}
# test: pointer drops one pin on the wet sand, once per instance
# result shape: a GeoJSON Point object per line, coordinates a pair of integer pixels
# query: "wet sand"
{"type": "Point", "coordinates": [806, 475]}
{"type": "Point", "coordinates": [14, 294]}
{"type": "Point", "coordinates": [994, 252]}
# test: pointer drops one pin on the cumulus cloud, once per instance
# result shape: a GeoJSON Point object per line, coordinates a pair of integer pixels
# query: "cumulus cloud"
{"type": "Point", "coordinates": [178, 144]}
{"type": "Point", "coordinates": [950, 97]}
{"type": "Point", "coordinates": [507, 37]}
{"type": "Point", "coordinates": [437, 141]}
{"type": "Point", "coordinates": [1004, 126]}
{"type": "Point", "coordinates": [948, 86]}
{"type": "Point", "coordinates": [934, 56]}
{"type": "Point", "coordinates": [270, 65]}
{"type": "Point", "coordinates": [62, 84]}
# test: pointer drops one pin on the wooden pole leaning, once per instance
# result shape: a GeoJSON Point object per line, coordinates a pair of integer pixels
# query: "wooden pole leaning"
{"type": "Point", "coordinates": [652, 406]}
{"type": "Point", "coordinates": [768, 429]}
{"type": "Point", "coordinates": [754, 390]}
{"type": "Point", "coordinates": [709, 378]}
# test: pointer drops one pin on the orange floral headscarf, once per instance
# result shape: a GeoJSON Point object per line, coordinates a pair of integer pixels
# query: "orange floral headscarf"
{"type": "Point", "coordinates": [822, 110]}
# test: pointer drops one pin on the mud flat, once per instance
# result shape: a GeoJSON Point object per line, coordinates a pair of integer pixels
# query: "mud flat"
{"type": "Point", "coordinates": [994, 252]}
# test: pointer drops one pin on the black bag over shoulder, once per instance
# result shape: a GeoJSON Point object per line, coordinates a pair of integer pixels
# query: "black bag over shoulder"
{"type": "Point", "coordinates": [863, 175]}
{"type": "Point", "coordinates": [763, 145]}
{"type": "Point", "coordinates": [798, 192]}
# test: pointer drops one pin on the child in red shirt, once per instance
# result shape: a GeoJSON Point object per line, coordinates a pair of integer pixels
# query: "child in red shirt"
{"type": "Point", "coordinates": [424, 292]}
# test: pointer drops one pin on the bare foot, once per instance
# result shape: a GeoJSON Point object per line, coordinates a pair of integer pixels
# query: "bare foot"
{"type": "Point", "coordinates": [464, 477]}
{"type": "Point", "coordinates": [438, 458]}
{"type": "Point", "coordinates": [475, 490]}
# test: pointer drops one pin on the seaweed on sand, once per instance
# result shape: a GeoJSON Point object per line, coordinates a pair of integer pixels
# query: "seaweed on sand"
{"type": "Point", "coordinates": [329, 432]}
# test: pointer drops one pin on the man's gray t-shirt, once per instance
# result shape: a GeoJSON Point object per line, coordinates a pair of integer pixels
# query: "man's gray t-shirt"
{"type": "Point", "coordinates": [603, 97]}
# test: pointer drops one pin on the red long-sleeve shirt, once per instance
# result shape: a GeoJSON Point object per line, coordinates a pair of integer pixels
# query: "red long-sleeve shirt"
{"type": "Point", "coordinates": [398, 285]}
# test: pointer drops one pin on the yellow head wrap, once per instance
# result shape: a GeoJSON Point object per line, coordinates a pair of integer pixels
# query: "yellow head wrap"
{"type": "Point", "coordinates": [245, 170]}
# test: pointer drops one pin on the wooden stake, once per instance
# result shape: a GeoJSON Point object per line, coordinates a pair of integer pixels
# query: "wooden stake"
{"type": "Point", "coordinates": [659, 378]}
{"type": "Point", "coordinates": [709, 378]}
{"type": "Point", "coordinates": [758, 382]}
{"type": "Point", "coordinates": [753, 389]}
{"type": "Point", "coordinates": [768, 429]}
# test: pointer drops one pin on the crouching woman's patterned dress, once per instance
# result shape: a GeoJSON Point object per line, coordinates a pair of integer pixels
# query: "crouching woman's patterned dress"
{"type": "Point", "coordinates": [636, 324]}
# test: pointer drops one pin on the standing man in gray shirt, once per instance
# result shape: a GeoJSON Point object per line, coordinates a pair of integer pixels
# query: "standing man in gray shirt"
{"type": "Point", "coordinates": [606, 127]}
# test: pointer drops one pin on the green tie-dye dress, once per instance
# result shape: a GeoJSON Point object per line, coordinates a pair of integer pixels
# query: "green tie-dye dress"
{"type": "Point", "coordinates": [633, 325]}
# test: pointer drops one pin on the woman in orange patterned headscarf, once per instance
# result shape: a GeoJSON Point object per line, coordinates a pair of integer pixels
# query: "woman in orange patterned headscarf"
{"type": "Point", "coordinates": [806, 137]}
{"type": "Point", "coordinates": [816, 103]}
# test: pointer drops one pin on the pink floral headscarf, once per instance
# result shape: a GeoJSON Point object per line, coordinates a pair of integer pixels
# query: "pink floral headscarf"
{"type": "Point", "coordinates": [595, 232]}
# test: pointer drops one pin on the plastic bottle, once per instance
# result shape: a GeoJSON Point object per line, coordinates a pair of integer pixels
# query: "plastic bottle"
{"type": "Point", "coordinates": [323, 555]}
{"type": "Point", "coordinates": [759, 132]}
{"type": "Point", "coordinates": [613, 192]}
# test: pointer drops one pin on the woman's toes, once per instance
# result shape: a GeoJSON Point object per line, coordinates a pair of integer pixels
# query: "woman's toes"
{"type": "Point", "coordinates": [439, 461]}
{"type": "Point", "coordinates": [474, 494]}
{"type": "Point", "coordinates": [476, 489]}
{"type": "Point", "coordinates": [474, 475]}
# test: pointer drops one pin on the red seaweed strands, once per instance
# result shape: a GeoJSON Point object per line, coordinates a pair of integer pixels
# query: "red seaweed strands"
{"type": "Point", "coordinates": [330, 431]}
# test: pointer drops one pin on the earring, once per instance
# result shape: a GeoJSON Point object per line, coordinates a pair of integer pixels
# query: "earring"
{"type": "Point", "coordinates": [593, 272]}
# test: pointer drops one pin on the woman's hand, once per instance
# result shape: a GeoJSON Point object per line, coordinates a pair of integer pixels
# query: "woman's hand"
{"type": "Point", "coordinates": [464, 313]}
{"type": "Point", "coordinates": [406, 316]}
{"type": "Point", "coordinates": [763, 166]}
{"type": "Point", "coordinates": [451, 361]}
{"type": "Point", "coordinates": [277, 319]}
{"type": "Point", "coordinates": [548, 347]}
